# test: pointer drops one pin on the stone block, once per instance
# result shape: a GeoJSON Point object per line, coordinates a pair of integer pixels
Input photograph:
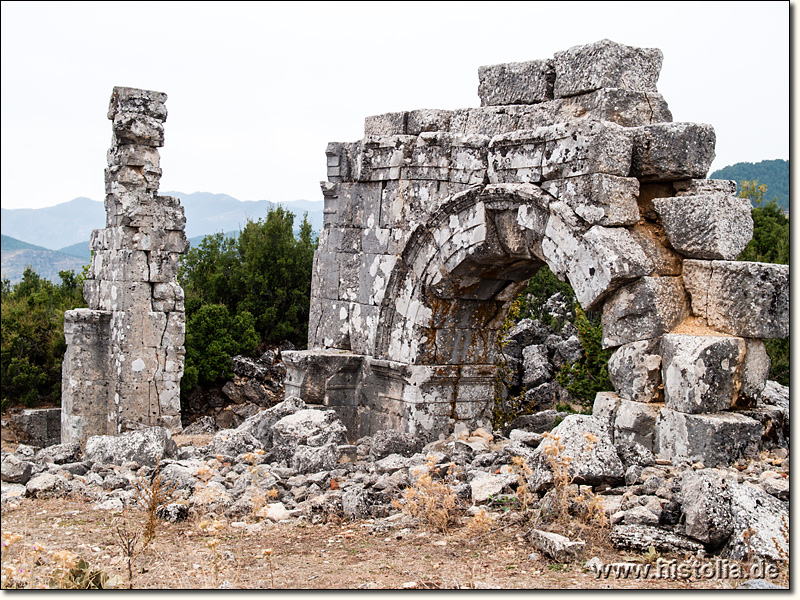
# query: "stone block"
{"type": "Point", "coordinates": [635, 422]}
{"type": "Point", "coordinates": [133, 155]}
{"type": "Point", "coordinates": [424, 120]}
{"type": "Point", "coordinates": [706, 502]}
{"type": "Point", "coordinates": [153, 326]}
{"type": "Point", "coordinates": [133, 128]}
{"type": "Point", "coordinates": [755, 372]}
{"type": "Point", "coordinates": [516, 83]}
{"type": "Point", "coordinates": [606, 64]}
{"type": "Point", "coordinates": [598, 199]}
{"type": "Point", "coordinates": [643, 310]}
{"type": "Point", "coordinates": [635, 371]}
{"type": "Point", "coordinates": [168, 297]}
{"type": "Point", "coordinates": [386, 124]}
{"type": "Point", "coordinates": [717, 439]}
{"type": "Point", "coordinates": [175, 331]}
{"type": "Point", "coordinates": [605, 409]}
{"type": "Point", "coordinates": [671, 151]}
{"type": "Point", "coordinates": [701, 373]}
{"type": "Point", "coordinates": [713, 226]}
{"type": "Point", "coordinates": [746, 299]}
{"type": "Point", "coordinates": [134, 100]}
{"type": "Point", "coordinates": [381, 158]}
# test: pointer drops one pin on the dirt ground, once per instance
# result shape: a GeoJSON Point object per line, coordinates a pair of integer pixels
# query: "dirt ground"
{"type": "Point", "coordinates": [206, 553]}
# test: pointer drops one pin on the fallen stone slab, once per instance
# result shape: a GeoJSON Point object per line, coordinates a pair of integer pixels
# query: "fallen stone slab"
{"type": "Point", "coordinates": [15, 470]}
{"type": "Point", "coordinates": [516, 83]}
{"type": "Point", "coordinates": [641, 537]}
{"type": "Point", "coordinates": [760, 524]}
{"type": "Point", "coordinates": [635, 422]}
{"type": "Point", "coordinates": [144, 446]}
{"type": "Point", "coordinates": [559, 548]}
{"type": "Point", "coordinates": [706, 502]}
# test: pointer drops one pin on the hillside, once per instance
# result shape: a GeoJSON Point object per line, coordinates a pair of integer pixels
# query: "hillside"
{"type": "Point", "coordinates": [773, 173]}
{"type": "Point", "coordinates": [66, 227]}
{"type": "Point", "coordinates": [17, 255]}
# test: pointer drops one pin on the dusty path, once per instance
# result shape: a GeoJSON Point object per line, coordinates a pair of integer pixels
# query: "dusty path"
{"type": "Point", "coordinates": [203, 553]}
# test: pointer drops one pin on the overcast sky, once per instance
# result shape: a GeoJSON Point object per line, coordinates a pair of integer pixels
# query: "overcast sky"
{"type": "Point", "coordinates": [256, 90]}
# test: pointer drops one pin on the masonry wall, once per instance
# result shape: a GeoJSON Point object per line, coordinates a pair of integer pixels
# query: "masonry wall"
{"type": "Point", "coordinates": [125, 353]}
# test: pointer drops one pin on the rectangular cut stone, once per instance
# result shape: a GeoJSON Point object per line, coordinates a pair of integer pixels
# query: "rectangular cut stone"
{"type": "Point", "coordinates": [598, 198]}
{"type": "Point", "coordinates": [701, 373]}
{"type": "Point", "coordinates": [419, 121]}
{"type": "Point", "coordinates": [386, 124]}
{"type": "Point", "coordinates": [670, 151]}
{"type": "Point", "coordinates": [746, 299]}
{"type": "Point", "coordinates": [635, 422]}
{"type": "Point", "coordinates": [168, 297]}
{"type": "Point", "coordinates": [712, 439]}
{"type": "Point", "coordinates": [605, 409]}
{"type": "Point", "coordinates": [710, 226]}
{"type": "Point", "coordinates": [175, 332]}
{"type": "Point", "coordinates": [653, 242]}
{"type": "Point", "coordinates": [381, 158]}
{"type": "Point", "coordinates": [606, 64]}
{"type": "Point", "coordinates": [516, 83]}
{"type": "Point", "coordinates": [644, 309]}
{"type": "Point", "coordinates": [153, 326]}
{"type": "Point", "coordinates": [635, 371]}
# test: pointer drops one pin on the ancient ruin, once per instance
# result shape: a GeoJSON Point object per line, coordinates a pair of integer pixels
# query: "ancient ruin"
{"type": "Point", "coordinates": [125, 352]}
{"type": "Point", "coordinates": [436, 219]}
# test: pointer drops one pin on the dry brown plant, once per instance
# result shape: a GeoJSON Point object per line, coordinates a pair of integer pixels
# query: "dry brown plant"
{"type": "Point", "coordinates": [431, 502]}
{"type": "Point", "coordinates": [152, 495]}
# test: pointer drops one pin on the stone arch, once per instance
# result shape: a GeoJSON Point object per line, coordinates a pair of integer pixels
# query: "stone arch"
{"type": "Point", "coordinates": [436, 219]}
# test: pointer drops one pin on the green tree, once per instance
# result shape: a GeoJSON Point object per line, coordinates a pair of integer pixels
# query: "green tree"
{"type": "Point", "coordinates": [33, 343]}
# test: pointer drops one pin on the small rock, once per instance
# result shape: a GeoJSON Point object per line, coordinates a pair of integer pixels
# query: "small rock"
{"type": "Point", "coordinates": [557, 547]}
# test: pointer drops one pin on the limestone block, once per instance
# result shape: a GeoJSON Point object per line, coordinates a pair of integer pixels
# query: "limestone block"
{"type": "Point", "coordinates": [747, 299]}
{"type": "Point", "coordinates": [143, 102]}
{"type": "Point", "coordinates": [635, 422]}
{"type": "Point", "coordinates": [170, 363]}
{"type": "Point", "coordinates": [145, 447]}
{"type": "Point", "coordinates": [133, 128]}
{"type": "Point", "coordinates": [706, 502]}
{"type": "Point", "coordinates": [515, 159]}
{"type": "Point", "coordinates": [82, 326]}
{"type": "Point", "coordinates": [175, 331]}
{"type": "Point", "coordinates": [635, 371]}
{"type": "Point", "coordinates": [516, 83]}
{"type": "Point", "coordinates": [362, 325]}
{"type": "Point", "coordinates": [537, 367]}
{"type": "Point", "coordinates": [386, 124]}
{"type": "Point", "coordinates": [117, 295]}
{"type": "Point", "coordinates": [757, 521]}
{"type": "Point", "coordinates": [168, 297]}
{"type": "Point", "coordinates": [349, 277]}
{"type": "Point", "coordinates": [653, 242]}
{"type": "Point", "coordinates": [606, 64]}
{"type": "Point", "coordinates": [643, 310]}
{"type": "Point", "coordinates": [755, 372]}
{"type": "Point", "coordinates": [701, 373]}
{"type": "Point", "coordinates": [702, 187]}
{"type": "Point", "coordinates": [607, 258]}
{"type": "Point", "coordinates": [133, 155]}
{"type": "Point", "coordinates": [120, 265]}
{"type": "Point", "coordinates": [559, 548]}
{"type": "Point", "coordinates": [670, 151]}
{"type": "Point", "coordinates": [468, 159]}
{"type": "Point", "coordinates": [604, 409]}
{"type": "Point", "coordinates": [419, 121]}
{"type": "Point", "coordinates": [153, 326]}
{"type": "Point", "coordinates": [430, 157]}
{"type": "Point", "coordinates": [376, 269]}
{"type": "Point", "coordinates": [163, 266]}
{"type": "Point", "coordinates": [381, 158]}
{"type": "Point", "coordinates": [713, 226]}
{"type": "Point", "coordinates": [586, 440]}
{"type": "Point", "coordinates": [713, 439]}
{"type": "Point", "coordinates": [138, 364]}
{"type": "Point", "coordinates": [623, 107]}
{"type": "Point", "coordinates": [598, 198]}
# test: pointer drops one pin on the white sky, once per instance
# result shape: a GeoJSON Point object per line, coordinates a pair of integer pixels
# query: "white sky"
{"type": "Point", "coordinates": [256, 90]}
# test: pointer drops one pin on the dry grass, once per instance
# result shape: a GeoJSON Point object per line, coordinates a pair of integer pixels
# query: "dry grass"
{"type": "Point", "coordinates": [433, 503]}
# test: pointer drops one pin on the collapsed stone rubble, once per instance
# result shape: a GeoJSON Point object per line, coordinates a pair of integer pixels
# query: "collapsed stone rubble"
{"type": "Point", "coordinates": [293, 462]}
{"type": "Point", "coordinates": [125, 353]}
{"type": "Point", "coordinates": [436, 219]}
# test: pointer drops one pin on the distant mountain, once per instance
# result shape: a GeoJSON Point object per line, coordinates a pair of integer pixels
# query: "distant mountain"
{"type": "Point", "coordinates": [68, 225]}
{"type": "Point", "coordinates": [772, 173]}
{"type": "Point", "coordinates": [81, 250]}
{"type": "Point", "coordinates": [16, 256]}
{"type": "Point", "coordinates": [55, 226]}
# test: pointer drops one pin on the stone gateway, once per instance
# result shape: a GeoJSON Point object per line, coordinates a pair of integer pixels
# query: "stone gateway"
{"type": "Point", "coordinates": [436, 219]}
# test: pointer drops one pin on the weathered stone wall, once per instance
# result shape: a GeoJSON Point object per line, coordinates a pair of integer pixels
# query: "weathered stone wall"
{"type": "Point", "coordinates": [125, 352]}
{"type": "Point", "coordinates": [436, 219]}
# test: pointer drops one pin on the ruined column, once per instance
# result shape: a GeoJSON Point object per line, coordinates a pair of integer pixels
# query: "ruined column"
{"type": "Point", "coordinates": [125, 352]}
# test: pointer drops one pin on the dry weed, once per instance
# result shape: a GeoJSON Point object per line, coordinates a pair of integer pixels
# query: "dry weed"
{"type": "Point", "coordinates": [151, 496]}
{"type": "Point", "coordinates": [431, 502]}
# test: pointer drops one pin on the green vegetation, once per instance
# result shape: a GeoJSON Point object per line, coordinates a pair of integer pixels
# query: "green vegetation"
{"type": "Point", "coordinates": [770, 244]}
{"type": "Point", "coordinates": [246, 291]}
{"type": "Point", "coordinates": [33, 343]}
{"type": "Point", "coordinates": [584, 378]}
{"type": "Point", "coordinates": [773, 173]}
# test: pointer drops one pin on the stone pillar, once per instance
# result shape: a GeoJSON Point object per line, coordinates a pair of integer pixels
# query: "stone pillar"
{"type": "Point", "coordinates": [125, 353]}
